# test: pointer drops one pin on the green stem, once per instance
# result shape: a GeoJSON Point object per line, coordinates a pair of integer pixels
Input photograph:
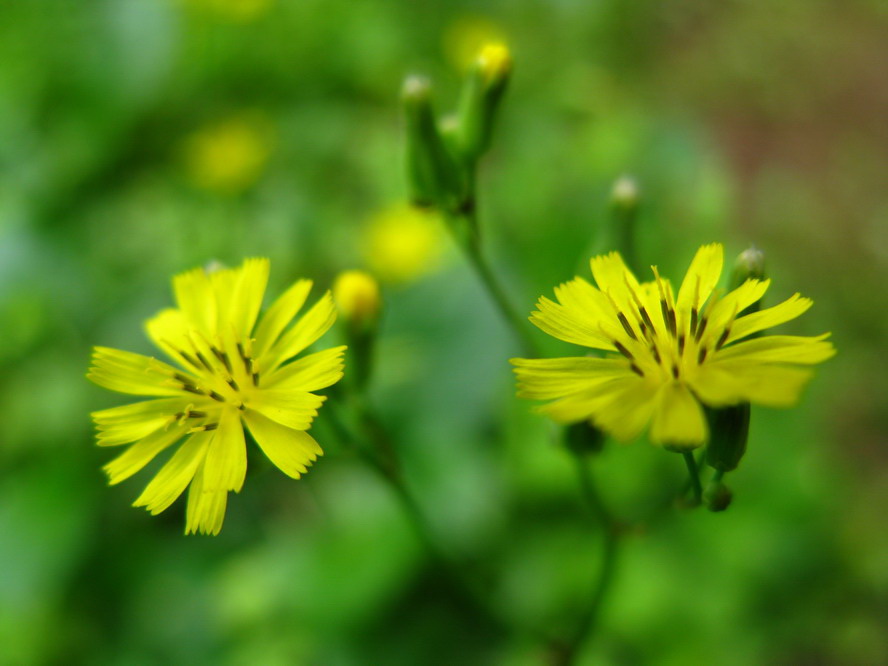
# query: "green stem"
{"type": "Point", "coordinates": [471, 246]}
{"type": "Point", "coordinates": [694, 475]}
{"type": "Point", "coordinates": [610, 533]}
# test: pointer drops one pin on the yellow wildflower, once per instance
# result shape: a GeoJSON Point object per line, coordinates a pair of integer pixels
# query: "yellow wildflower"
{"type": "Point", "coordinates": [356, 294]}
{"type": "Point", "coordinates": [228, 156]}
{"type": "Point", "coordinates": [404, 242]}
{"type": "Point", "coordinates": [466, 36]}
{"type": "Point", "coordinates": [229, 373]}
{"type": "Point", "coordinates": [673, 353]}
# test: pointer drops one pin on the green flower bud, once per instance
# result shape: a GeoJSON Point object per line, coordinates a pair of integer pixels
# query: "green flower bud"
{"type": "Point", "coordinates": [729, 432]}
{"type": "Point", "coordinates": [750, 264]}
{"type": "Point", "coordinates": [583, 438]}
{"type": "Point", "coordinates": [717, 496]}
{"type": "Point", "coordinates": [434, 177]}
{"type": "Point", "coordinates": [482, 93]}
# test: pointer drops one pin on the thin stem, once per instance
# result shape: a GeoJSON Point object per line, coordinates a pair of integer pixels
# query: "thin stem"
{"type": "Point", "coordinates": [472, 249]}
{"type": "Point", "coordinates": [694, 475]}
{"type": "Point", "coordinates": [610, 535]}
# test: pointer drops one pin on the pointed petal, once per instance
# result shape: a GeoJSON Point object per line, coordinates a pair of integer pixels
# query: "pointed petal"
{"type": "Point", "coordinates": [246, 298]}
{"type": "Point", "coordinates": [279, 315]}
{"type": "Point", "coordinates": [225, 465]}
{"type": "Point", "coordinates": [678, 418]}
{"type": "Point", "coordinates": [292, 451]}
{"type": "Point", "coordinates": [789, 309]}
{"type": "Point", "coordinates": [545, 379]}
{"type": "Point", "coordinates": [142, 452]}
{"type": "Point", "coordinates": [612, 276]}
{"type": "Point", "coordinates": [196, 298]}
{"type": "Point", "coordinates": [127, 372]}
{"type": "Point", "coordinates": [628, 411]}
{"type": "Point", "coordinates": [309, 373]}
{"type": "Point", "coordinates": [206, 508]}
{"type": "Point", "coordinates": [175, 476]}
{"type": "Point", "coordinates": [293, 409]}
{"type": "Point", "coordinates": [128, 423]}
{"type": "Point", "coordinates": [731, 382]}
{"type": "Point", "coordinates": [589, 403]}
{"type": "Point", "coordinates": [305, 332]}
{"type": "Point", "coordinates": [569, 324]}
{"type": "Point", "coordinates": [779, 349]}
{"type": "Point", "coordinates": [734, 302]}
{"type": "Point", "coordinates": [701, 278]}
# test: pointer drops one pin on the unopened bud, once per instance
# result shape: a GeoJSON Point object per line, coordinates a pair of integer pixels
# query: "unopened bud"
{"type": "Point", "coordinates": [729, 432]}
{"type": "Point", "coordinates": [482, 93]}
{"type": "Point", "coordinates": [583, 438]}
{"type": "Point", "coordinates": [717, 496]}
{"type": "Point", "coordinates": [625, 192]}
{"type": "Point", "coordinates": [750, 264]}
{"type": "Point", "coordinates": [357, 297]}
{"type": "Point", "coordinates": [433, 174]}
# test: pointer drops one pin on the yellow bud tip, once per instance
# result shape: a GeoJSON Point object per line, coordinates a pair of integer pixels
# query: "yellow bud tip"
{"type": "Point", "coordinates": [495, 60]}
{"type": "Point", "coordinates": [357, 296]}
{"type": "Point", "coordinates": [625, 191]}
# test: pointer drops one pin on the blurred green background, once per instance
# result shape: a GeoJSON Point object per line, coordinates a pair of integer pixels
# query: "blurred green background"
{"type": "Point", "coordinates": [139, 138]}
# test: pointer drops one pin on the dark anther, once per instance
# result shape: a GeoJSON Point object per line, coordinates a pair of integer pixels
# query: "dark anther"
{"type": "Point", "coordinates": [675, 371]}
{"type": "Point", "coordinates": [701, 328]}
{"type": "Point", "coordinates": [702, 355]}
{"type": "Point", "coordinates": [623, 350]}
{"type": "Point", "coordinates": [681, 344]}
{"type": "Point", "coordinates": [196, 415]}
{"type": "Point", "coordinates": [244, 357]}
{"type": "Point", "coordinates": [188, 357]}
{"type": "Point", "coordinates": [636, 370]}
{"type": "Point", "coordinates": [216, 396]}
{"type": "Point", "coordinates": [626, 326]}
{"type": "Point", "coordinates": [723, 338]}
{"type": "Point", "coordinates": [233, 384]}
{"type": "Point", "coordinates": [647, 318]}
{"type": "Point", "coordinates": [255, 379]}
{"type": "Point", "coordinates": [211, 426]}
{"type": "Point", "coordinates": [222, 356]}
{"type": "Point", "coordinates": [693, 320]}
{"type": "Point", "coordinates": [182, 378]}
{"type": "Point", "coordinates": [206, 363]}
{"type": "Point", "coordinates": [656, 352]}
{"type": "Point", "coordinates": [192, 389]}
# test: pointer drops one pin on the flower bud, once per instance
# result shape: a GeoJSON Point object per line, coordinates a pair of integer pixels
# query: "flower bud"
{"type": "Point", "coordinates": [729, 432]}
{"type": "Point", "coordinates": [432, 172]}
{"type": "Point", "coordinates": [750, 264]}
{"type": "Point", "coordinates": [717, 496]}
{"type": "Point", "coordinates": [482, 93]}
{"type": "Point", "coordinates": [583, 438]}
{"type": "Point", "coordinates": [357, 297]}
{"type": "Point", "coordinates": [624, 193]}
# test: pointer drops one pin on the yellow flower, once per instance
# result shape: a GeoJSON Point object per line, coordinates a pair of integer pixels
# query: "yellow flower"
{"type": "Point", "coordinates": [356, 294]}
{"type": "Point", "coordinates": [229, 373]}
{"type": "Point", "coordinates": [228, 156]}
{"type": "Point", "coordinates": [466, 36]}
{"type": "Point", "coordinates": [672, 353]}
{"type": "Point", "coordinates": [404, 242]}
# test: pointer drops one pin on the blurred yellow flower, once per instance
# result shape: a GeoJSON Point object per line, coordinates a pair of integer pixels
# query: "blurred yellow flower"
{"type": "Point", "coordinates": [238, 11]}
{"type": "Point", "coordinates": [228, 156]}
{"type": "Point", "coordinates": [356, 294]}
{"type": "Point", "coordinates": [230, 373]}
{"type": "Point", "coordinates": [672, 352]}
{"type": "Point", "coordinates": [403, 243]}
{"type": "Point", "coordinates": [467, 36]}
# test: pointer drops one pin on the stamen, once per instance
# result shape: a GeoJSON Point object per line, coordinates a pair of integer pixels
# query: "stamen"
{"type": "Point", "coordinates": [702, 355]}
{"type": "Point", "coordinates": [668, 317]}
{"type": "Point", "coordinates": [233, 384]}
{"type": "Point", "coordinates": [636, 370]}
{"type": "Point", "coordinates": [675, 371]}
{"type": "Point", "coordinates": [222, 356]}
{"type": "Point", "coordinates": [216, 396]}
{"type": "Point", "coordinates": [255, 379]}
{"type": "Point", "coordinates": [693, 320]}
{"type": "Point", "coordinates": [244, 357]}
{"type": "Point", "coordinates": [646, 317]}
{"type": "Point", "coordinates": [701, 328]}
{"type": "Point", "coordinates": [681, 344]}
{"type": "Point", "coordinates": [188, 357]}
{"type": "Point", "coordinates": [211, 426]}
{"type": "Point", "coordinates": [203, 359]}
{"type": "Point", "coordinates": [656, 352]}
{"type": "Point", "coordinates": [623, 350]}
{"type": "Point", "coordinates": [723, 338]}
{"type": "Point", "coordinates": [626, 326]}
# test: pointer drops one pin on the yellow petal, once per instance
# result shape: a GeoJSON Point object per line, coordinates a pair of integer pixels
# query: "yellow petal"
{"type": "Point", "coordinates": [678, 417]}
{"type": "Point", "coordinates": [779, 349]}
{"type": "Point", "coordinates": [225, 465]}
{"type": "Point", "coordinates": [789, 309]}
{"type": "Point", "coordinates": [168, 330]}
{"type": "Point", "coordinates": [205, 511]}
{"type": "Point", "coordinates": [294, 409]}
{"type": "Point", "coordinates": [628, 410]}
{"type": "Point", "coordinates": [731, 382]}
{"type": "Point", "coordinates": [734, 302]}
{"type": "Point", "coordinates": [127, 372]}
{"type": "Point", "coordinates": [545, 379]}
{"type": "Point", "coordinates": [246, 298]}
{"type": "Point", "coordinates": [309, 373]}
{"type": "Point", "coordinates": [569, 324]}
{"type": "Point", "coordinates": [305, 332]}
{"type": "Point", "coordinates": [612, 275]}
{"type": "Point", "coordinates": [127, 423]}
{"type": "Point", "coordinates": [142, 452]}
{"type": "Point", "coordinates": [585, 405]}
{"type": "Point", "coordinates": [292, 451]}
{"type": "Point", "coordinates": [701, 278]}
{"type": "Point", "coordinates": [281, 313]}
{"type": "Point", "coordinates": [175, 476]}
{"type": "Point", "coordinates": [196, 298]}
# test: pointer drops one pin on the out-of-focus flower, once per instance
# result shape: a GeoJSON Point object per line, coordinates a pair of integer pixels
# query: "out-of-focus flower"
{"type": "Point", "coordinates": [229, 156]}
{"type": "Point", "coordinates": [229, 373]}
{"type": "Point", "coordinates": [403, 243]}
{"type": "Point", "coordinates": [467, 36]}
{"type": "Point", "coordinates": [673, 353]}
{"type": "Point", "coordinates": [236, 11]}
{"type": "Point", "coordinates": [356, 294]}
